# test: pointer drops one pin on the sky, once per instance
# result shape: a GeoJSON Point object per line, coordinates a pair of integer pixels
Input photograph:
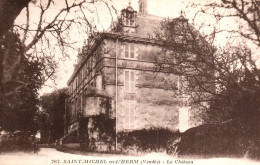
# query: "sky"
{"type": "Point", "coordinates": [163, 8]}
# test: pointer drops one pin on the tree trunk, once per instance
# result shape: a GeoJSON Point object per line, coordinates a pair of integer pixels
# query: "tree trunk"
{"type": "Point", "coordinates": [9, 10]}
{"type": "Point", "coordinates": [1, 85]}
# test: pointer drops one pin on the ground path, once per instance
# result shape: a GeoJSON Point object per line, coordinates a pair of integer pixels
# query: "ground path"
{"type": "Point", "coordinates": [50, 156]}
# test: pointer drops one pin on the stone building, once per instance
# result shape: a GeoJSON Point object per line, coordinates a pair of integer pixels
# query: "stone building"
{"type": "Point", "coordinates": [117, 87]}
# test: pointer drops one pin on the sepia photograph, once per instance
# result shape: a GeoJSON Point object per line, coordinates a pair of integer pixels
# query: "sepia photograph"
{"type": "Point", "coordinates": [141, 82]}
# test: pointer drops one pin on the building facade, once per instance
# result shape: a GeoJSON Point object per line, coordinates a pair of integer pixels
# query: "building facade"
{"type": "Point", "coordinates": [117, 86]}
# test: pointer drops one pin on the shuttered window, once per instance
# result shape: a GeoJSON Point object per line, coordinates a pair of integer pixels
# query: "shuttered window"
{"type": "Point", "coordinates": [129, 81]}
{"type": "Point", "coordinates": [129, 50]}
{"type": "Point", "coordinates": [129, 115]}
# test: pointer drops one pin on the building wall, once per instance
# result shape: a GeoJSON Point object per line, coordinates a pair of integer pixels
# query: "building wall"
{"type": "Point", "coordinates": [155, 101]}
{"type": "Point", "coordinates": [118, 81]}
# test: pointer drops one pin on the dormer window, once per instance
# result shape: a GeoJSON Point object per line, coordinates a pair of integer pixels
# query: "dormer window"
{"type": "Point", "coordinates": [128, 16]}
{"type": "Point", "coordinates": [129, 19]}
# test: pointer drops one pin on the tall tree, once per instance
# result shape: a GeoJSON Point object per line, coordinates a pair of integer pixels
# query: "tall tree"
{"type": "Point", "coordinates": [9, 10]}
{"type": "Point", "coordinates": [44, 33]}
{"type": "Point", "coordinates": [21, 104]}
{"type": "Point", "coordinates": [51, 115]}
{"type": "Point", "coordinates": [218, 75]}
{"type": "Point", "coordinates": [218, 62]}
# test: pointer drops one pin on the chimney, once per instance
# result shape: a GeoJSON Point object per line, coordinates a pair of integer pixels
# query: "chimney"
{"type": "Point", "coordinates": [143, 6]}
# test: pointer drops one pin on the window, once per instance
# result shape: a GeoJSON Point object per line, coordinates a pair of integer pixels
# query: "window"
{"type": "Point", "coordinates": [74, 110]}
{"type": "Point", "coordinates": [183, 119]}
{"type": "Point", "coordinates": [73, 85]}
{"type": "Point", "coordinates": [129, 18]}
{"type": "Point", "coordinates": [88, 64]}
{"type": "Point", "coordinates": [82, 73]}
{"type": "Point", "coordinates": [129, 115]}
{"type": "Point", "coordinates": [93, 61]}
{"type": "Point", "coordinates": [183, 85]}
{"type": "Point", "coordinates": [79, 77]}
{"type": "Point", "coordinates": [86, 70]}
{"type": "Point", "coordinates": [83, 101]}
{"type": "Point", "coordinates": [77, 82]}
{"type": "Point", "coordinates": [129, 50]}
{"type": "Point", "coordinates": [129, 81]}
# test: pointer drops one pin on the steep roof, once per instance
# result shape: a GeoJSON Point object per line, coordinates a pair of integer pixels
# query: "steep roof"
{"type": "Point", "coordinates": [146, 27]}
{"type": "Point", "coordinates": [101, 36]}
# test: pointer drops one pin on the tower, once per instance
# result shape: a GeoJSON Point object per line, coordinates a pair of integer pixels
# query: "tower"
{"type": "Point", "coordinates": [128, 19]}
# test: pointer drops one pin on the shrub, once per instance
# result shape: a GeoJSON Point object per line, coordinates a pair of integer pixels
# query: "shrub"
{"type": "Point", "coordinates": [21, 141]}
{"type": "Point", "coordinates": [100, 132]}
{"type": "Point", "coordinates": [232, 139]}
{"type": "Point", "coordinates": [147, 140]}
